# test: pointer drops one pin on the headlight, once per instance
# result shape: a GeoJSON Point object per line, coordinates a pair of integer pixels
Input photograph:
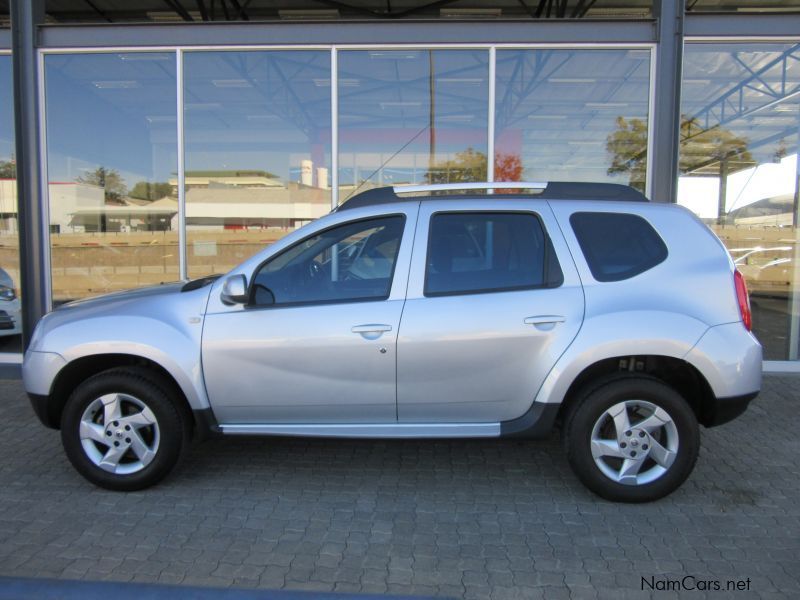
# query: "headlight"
{"type": "Point", "coordinates": [7, 293]}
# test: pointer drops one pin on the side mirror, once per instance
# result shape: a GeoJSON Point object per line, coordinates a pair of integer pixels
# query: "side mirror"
{"type": "Point", "coordinates": [234, 290]}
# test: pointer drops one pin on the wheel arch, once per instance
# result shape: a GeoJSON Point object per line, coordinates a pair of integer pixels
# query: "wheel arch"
{"type": "Point", "coordinates": [677, 373]}
{"type": "Point", "coordinates": [80, 369]}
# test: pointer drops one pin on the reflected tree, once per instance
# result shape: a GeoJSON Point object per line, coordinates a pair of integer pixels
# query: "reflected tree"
{"type": "Point", "coordinates": [8, 169]}
{"type": "Point", "coordinates": [628, 148]}
{"type": "Point", "coordinates": [507, 167]}
{"type": "Point", "coordinates": [472, 166]}
{"type": "Point", "coordinates": [712, 150]}
{"type": "Point", "coordinates": [110, 180]}
{"type": "Point", "coordinates": [144, 190]}
{"type": "Point", "coordinates": [467, 166]}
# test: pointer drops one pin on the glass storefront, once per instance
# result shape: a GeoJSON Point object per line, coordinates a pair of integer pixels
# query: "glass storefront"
{"type": "Point", "coordinates": [412, 116]}
{"type": "Point", "coordinates": [10, 317]}
{"type": "Point", "coordinates": [258, 134]}
{"type": "Point", "coordinates": [259, 160]}
{"type": "Point", "coordinates": [572, 115]}
{"type": "Point", "coordinates": [739, 171]}
{"type": "Point", "coordinates": [257, 131]}
{"type": "Point", "coordinates": [111, 124]}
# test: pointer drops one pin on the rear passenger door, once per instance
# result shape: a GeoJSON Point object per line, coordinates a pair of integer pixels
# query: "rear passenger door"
{"type": "Point", "coordinates": [493, 300]}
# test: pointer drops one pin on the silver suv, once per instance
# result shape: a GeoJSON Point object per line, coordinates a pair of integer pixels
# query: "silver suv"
{"type": "Point", "coordinates": [411, 313]}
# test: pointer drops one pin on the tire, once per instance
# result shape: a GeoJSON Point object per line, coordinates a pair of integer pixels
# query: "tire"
{"type": "Point", "coordinates": [122, 431]}
{"type": "Point", "coordinates": [639, 460]}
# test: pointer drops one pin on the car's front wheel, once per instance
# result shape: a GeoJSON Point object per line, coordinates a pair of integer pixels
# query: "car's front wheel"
{"type": "Point", "coordinates": [122, 431]}
{"type": "Point", "coordinates": [632, 439]}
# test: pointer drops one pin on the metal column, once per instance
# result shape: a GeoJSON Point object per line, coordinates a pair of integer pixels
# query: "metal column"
{"type": "Point", "coordinates": [667, 106]}
{"type": "Point", "coordinates": [34, 249]}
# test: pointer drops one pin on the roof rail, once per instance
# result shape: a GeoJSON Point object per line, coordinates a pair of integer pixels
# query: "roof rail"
{"type": "Point", "coordinates": [453, 187]}
{"type": "Point", "coordinates": [554, 190]}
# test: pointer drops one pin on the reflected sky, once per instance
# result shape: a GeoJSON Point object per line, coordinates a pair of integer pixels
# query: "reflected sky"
{"type": "Point", "coordinates": [112, 110]}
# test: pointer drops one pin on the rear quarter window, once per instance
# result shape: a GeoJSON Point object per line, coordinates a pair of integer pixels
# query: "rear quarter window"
{"type": "Point", "coordinates": [617, 246]}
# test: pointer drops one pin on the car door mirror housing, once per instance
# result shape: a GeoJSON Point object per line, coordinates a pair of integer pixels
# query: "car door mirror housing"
{"type": "Point", "coordinates": [234, 290]}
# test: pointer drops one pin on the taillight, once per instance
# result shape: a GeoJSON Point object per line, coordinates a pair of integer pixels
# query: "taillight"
{"type": "Point", "coordinates": [744, 300]}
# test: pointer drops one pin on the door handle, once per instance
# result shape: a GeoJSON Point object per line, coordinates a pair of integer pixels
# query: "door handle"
{"type": "Point", "coordinates": [544, 320]}
{"type": "Point", "coordinates": [371, 328]}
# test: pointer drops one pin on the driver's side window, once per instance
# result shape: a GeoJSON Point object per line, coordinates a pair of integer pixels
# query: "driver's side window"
{"type": "Point", "coordinates": [349, 262]}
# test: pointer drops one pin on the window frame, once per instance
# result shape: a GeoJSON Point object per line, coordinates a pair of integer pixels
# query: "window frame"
{"type": "Point", "coordinates": [251, 305]}
{"type": "Point", "coordinates": [548, 248]}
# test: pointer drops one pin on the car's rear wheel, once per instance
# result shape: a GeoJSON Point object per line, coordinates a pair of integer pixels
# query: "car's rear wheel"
{"type": "Point", "coordinates": [122, 431]}
{"type": "Point", "coordinates": [632, 439]}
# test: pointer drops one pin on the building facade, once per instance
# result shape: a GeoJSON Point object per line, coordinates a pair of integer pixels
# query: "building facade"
{"type": "Point", "coordinates": [165, 140]}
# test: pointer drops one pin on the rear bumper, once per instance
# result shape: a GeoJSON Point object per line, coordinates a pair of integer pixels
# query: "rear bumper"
{"type": "Point", "coordinates": [727, 409]}
{"type": "Point", "coordinates": [729, 357]}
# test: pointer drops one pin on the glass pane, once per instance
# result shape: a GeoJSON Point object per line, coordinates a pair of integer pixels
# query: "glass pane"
{"type": "Point", "coordinates": [476, 253]}
{"type": "Point", "coordinates": [743, 5]}
{"type": "Point", "coordinates": [258, 139]}
{"type": "Point", "coordinates": [10, 316]}
{"type": "Point", "coordinates": [411, 116]}
{"type": "Point", "coordinates": [739, 170]}
{"type": "Point", "coordinates": [350, 262]}
{"type": "Point", "coordinates": [111, 161]}
{"type": "Point", "coordinates": [572, 115]}
{"type": "Point", "coordinates": [617, 246]}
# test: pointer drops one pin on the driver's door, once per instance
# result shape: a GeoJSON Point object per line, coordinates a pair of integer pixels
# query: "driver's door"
{"type": "Point", "coordinates": [317, 342]}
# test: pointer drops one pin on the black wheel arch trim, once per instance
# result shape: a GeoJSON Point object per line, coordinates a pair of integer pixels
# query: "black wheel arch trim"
{"type": "Point", "coordinates": [722, 410]}
{"type": "Point", "coordinates": [537, 422]}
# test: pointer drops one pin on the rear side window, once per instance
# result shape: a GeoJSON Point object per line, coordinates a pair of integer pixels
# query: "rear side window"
{"type": "Point", "coordinates": [488, 252]}
{"type": "Point", "coordinates": [617, 246]}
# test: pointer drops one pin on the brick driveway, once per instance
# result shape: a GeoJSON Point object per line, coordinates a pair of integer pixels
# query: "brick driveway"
{"type": "Point", "coordinates": [471, 519]}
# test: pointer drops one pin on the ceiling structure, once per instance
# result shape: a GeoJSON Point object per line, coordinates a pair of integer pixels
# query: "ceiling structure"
{"type": "Point", "coordinates": [159, 11]}
{"type": "Point", "coordinates": [127, 11]}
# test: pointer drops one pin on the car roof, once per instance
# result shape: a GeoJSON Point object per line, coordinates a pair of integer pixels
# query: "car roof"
{"type": "Point", "coordinates": [554, 190]}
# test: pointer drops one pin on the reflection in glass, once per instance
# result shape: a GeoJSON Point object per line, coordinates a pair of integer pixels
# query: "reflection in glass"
{"type": "Point", "coordinates": [111, 153]}
{"type": "Point", "coordinates": [10, 316]}
{"type": "Point", "coordinates": [411, 116]}
{"type": "Point", "coordinates": [749, 6]}
{"type": "Point", "coordinates": [257, 134]}
{"type": "Point", "coordinates": [739, 171]}
{"type": "Point", "coordinates": [572, 115]}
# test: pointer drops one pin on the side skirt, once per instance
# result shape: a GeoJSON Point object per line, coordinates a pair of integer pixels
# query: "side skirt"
{"type": "Point", "coordinates": [537, 422]}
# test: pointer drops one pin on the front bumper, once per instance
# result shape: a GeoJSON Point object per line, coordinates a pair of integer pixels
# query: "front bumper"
{"type": "Point", "coordinates": [39, 370]}
{"type": "Point", "coordinates": [45, 410]}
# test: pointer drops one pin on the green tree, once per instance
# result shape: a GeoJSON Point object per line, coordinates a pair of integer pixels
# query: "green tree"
{"type": "Point", "coordinates": [469, 165]}
{"type": "Point", "coordinates": [628, 148]}
{"type": "Point", "coordinates": [144, 190]}
{"type": "Point", "coordinates": [700, 148]}
{"type": "Point", "coordinates": [8, 169]}
{"type": "Point", "coordinates": [109, 179]}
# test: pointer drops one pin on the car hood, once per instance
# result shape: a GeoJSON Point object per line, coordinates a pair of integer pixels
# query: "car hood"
{"type": "Point", "coordinates": [123, 317]}
{"type": "Point", "coordinates": [119, 298]}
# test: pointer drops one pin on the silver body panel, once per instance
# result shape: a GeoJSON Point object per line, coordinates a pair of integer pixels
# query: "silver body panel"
{"type": "Point", "coordinates": [305, 364]}
{"type": "Point", "coordinates": [157, 323]}
{"type": "Point", "coordinates": [449, 366]}
{"type": "Point", "coordinates": [472, 357]}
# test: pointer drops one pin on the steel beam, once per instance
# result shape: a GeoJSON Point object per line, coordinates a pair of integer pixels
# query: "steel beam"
{"type": "Point", "coordinates": [667, 105]}
{"type": "Point", "coordinates": [34, 236]}
{"type": "Point", "coordinates": [749, 25]}
{"type": "Point", "coordinates": [584, 31]}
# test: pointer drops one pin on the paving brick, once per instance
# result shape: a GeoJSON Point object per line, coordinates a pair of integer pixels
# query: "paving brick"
{"type": "Point", "coordinates": [464, 519]}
